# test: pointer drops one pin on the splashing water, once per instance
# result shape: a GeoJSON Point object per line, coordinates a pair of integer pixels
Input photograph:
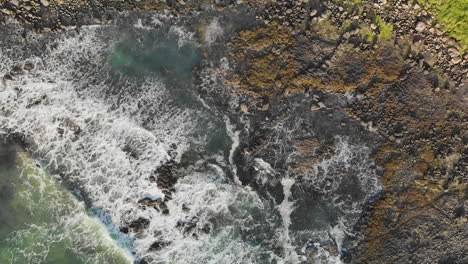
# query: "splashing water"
{"type": "Point", "coordinates": [105, 108]}
{"type": "Point", "coordinates": [39, 211]}
{"type": "Point", "coordinates": [108, 141]}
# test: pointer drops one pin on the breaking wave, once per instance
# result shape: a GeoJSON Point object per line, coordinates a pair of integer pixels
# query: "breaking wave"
{"type": "Point", "coordinates": [88, 113]}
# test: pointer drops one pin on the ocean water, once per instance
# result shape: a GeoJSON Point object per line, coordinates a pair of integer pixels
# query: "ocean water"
{"type": "Point", "coordinates": [101, 110]}
{"type": "Point", "coordinates": [42, 222]}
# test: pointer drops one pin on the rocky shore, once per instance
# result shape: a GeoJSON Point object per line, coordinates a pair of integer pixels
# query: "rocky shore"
{"type": "Point", "coordinates": [410, 26]}
{"type": "Point", "coordinates": [385, 74]}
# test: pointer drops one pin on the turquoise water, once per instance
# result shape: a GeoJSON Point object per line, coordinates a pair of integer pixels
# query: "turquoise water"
{"type": "Point", "coordinates": [42, 222]}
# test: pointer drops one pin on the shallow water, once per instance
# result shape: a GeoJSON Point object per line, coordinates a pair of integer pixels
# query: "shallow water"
{"type": "Point", "coordinates": [42, 222]}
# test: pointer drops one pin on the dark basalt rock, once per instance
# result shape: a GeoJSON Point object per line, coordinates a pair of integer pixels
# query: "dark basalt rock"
{"type": "Point", "coordinates": [7, 78]}
{"type": "Point", "coordinates": [17, 70]}
{"type": "Point", "coordinates": [158, 245]}
{"type": "Point", "coordinates": [136, 225]}
{"type": "Point", "coordinates": [28, 66]}
{"type": "Point", "coordinates": [158, 204]}
{"type": "Point", "coordinates": [164, 176]}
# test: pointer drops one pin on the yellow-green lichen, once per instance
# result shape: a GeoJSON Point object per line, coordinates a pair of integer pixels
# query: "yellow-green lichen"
{"type": "Point", "coordinates": [386, 30]}
{"type": "Point", "coordinates": [453, 15]}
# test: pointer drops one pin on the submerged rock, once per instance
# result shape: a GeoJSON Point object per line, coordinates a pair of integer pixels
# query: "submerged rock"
{"type": "Point", "coordinates": [28, 66]}
{"type": "Point", "coordinates": [136, 225]}
{"type": "Point", "coordinates": [7, 78]}
{"type": "Point", "coordinates": [158, 245]}
{"type": "Point", "coordinates": [164, 176]}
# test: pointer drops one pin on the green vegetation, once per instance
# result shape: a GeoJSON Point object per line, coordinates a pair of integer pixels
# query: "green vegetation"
{"type": "Point", "coordinates": [386, 30]}
{"type": "Point", "coordinates": [453, 15]}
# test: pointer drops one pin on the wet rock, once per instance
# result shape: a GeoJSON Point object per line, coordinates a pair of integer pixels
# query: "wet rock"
{"type": "Point", "coordinates": [163, 208]}
{"type": "Point", "coordinates": [144, 261]}
{"type": "Point", "coordinates": [328, 182]}
{"type": "Point", "coordinates": [69, 125]}
{"type": "Point", "coordinates": [164, 176]}
{"type": "Point", "coordinates": [124, 230]}
{"type": "Point", "coordinates": [314, 108]}
{"type": "Point", "coordinates": [158, 245]}
{"type": "Point", "coordinates": [41, 100]}
{"type": "Point", "coordinates": [158, 204]}
{"type": "Point", "coordinates": [185, 208]}
{"type": "Point", "coordinates": [189, 227]}
{"type": "Point", "coordinates": [7, 78]}
{"type": "Point", "coordinates": [149, 202]}
{"type": "Point", "coordinates": [28, 66]}
{"type": "Point", "coordinates": [17, 70]}
{"type": "Point", "coordinates": [449, 259]}
{"type": "Point", "coordinates": [137, 225]}
{"type": "Point", "coordinates": [206, 228]}
{"type": "Point", "coordinates": [244, 108]}
{"type": "Point", "coordinates": [167, 195]}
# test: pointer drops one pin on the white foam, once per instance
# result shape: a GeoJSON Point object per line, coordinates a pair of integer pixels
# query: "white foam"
{"type": "Point", "coordinates": [183, 36]}
{"type": "Point", "coordinates": [286, 208]}
{"type": "Point", "coordinates": [213, 31]}
{"type": "Point", "coordinates": [353, 181]}
{"type": "Point", "coordinates": [139, 24]}
{"type": "Point", "coordinates": [266, 173]}
{"type": "Point", "coordinates": [112, 156]}
{"type": "Point", "coordinates": [234, 135]}
{"type": "Point", "coordinates": [55, 210]}
{"type": "Point", "coordinates": [124, 136]}
{"type": "Point", "coordinates": [159, 19]}
{"type": "Point", "coordinates": [127, 133]}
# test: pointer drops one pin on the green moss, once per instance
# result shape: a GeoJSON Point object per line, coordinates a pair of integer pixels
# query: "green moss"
{"type": "Point", "coordinates": [453, 15]}
{"type": "Point", "coordinates": [386, 30]}
{"type": "Point", "coordinates": [406, 51]}
{"type": "Point", "coordinates": [368, 36]}
{"type": "Point", "coordinates": [349, 25]}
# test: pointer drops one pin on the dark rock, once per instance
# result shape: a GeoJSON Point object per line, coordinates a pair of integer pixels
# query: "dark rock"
{"type": "Point", "coordinates": [144, 261]}
{"type": "Point", "coordinates": [7, 78]}
{"type": "Point", "coordinates": [164, 176]}
{"type": "Point", "coordinates": [137, 225]}
{"type": "Point", "coordinates": [158, 245]}
{"type": "Point", "coordinates": [17, 70]}
{"type": "Point", "coordinates": [449, 259]}
{"type": "Point", "coordinates": [459, 211]}
{"type": "Point", "coordinates": [28, 66]}
{"type": "Point", "coordinates": [206, 228]}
